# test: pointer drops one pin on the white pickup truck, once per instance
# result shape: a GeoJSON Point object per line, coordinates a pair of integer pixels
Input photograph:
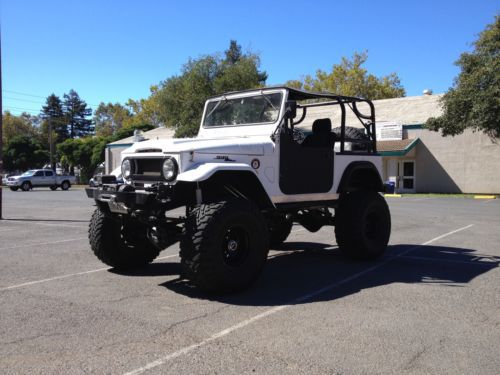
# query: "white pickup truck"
{"type": "Point", "coordinates": [40, 178]}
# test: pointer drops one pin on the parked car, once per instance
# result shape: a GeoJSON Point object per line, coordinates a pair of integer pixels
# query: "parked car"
{"type": "Point", "coordinates": [5, 177]}
{"type": "Point", "coordinates": [95, 181]}
{"type": "Point", "coordinates": [40, 178]}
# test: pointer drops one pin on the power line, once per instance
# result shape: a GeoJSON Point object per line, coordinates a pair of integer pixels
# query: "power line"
{"type": "Point", "coordinates": [23, 100]}
{"type": "Point", "coordinates": [36, 96]}
{"type": "Point", "coordinates": [6, 108]}
{"type": "Point", "coordinates": [23, 93]}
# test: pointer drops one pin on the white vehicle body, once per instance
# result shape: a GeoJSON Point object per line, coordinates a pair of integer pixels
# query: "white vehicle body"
{"type": "Point", "coordinates": [244, 180]}
{"type": "Point", "coordinates": [233, 148]}
{"type": "Point", "coordinates": [40, 178]}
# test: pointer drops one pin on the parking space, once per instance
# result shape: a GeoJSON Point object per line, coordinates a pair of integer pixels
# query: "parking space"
{"type": "Point", "coordinates": [431, 305]}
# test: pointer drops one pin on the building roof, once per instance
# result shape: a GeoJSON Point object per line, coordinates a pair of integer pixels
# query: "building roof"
{"type": "Point", "coordinates": [410, 110]}
{"type": "Point", "coordinates": [396, 147]}
{"type": "Point", "coordinates": [157, 133]}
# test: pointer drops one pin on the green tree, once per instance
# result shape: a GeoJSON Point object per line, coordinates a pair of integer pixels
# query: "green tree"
{"type": "Point", "coordinates": [145, 111]}
{"type": "Point", "coordinates": [17, 125]}
{"type": "Point", "coordinates": [76, 114]}
{"type": "Point", "coordinates": [181, 98]}
{"type": "Point", "coordinates": [474, 100]}
{"type": "Point", "coordinates": [52, 113]}
{"type": "Point", "coordinates": [23, 152]}
{"type": "Point", "coordinates": [350, 78]}
{"type": "Point", "coordinates": [108, 118]}
{"type": "Point", "coordinates": [81, 152]}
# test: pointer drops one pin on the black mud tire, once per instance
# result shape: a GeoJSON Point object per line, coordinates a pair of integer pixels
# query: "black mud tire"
{"type": "Point", "coordinates": [108, 243]}
{"type": "Point", "coordinates": [354, 133]}
{"type": "Point", "coordinates": [362, 224]}
{"type": "Point", "coordinates": [65, 185]}
{"type": "Point", "coordinates": [279, 230]}
{"type": "Point", "coordinates": [209, 233]}
{"type": "Point", "coordinates": [14, 188]}
{"type": "Point", "coordinates": [53, 188]}
{"type": "Point", "coordinates": [26, 186]}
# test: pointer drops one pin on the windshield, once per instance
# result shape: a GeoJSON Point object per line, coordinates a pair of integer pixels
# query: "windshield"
{"type": "Point", "coordinates": [258, 109]}
{"type": "Point", "coordinates": [28, 173]}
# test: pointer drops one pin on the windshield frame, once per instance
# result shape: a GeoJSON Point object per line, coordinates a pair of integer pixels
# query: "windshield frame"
{"type": "Point", "coordinates": [29, 172]}
{"type": "Point", "coordinates": [240, 96]}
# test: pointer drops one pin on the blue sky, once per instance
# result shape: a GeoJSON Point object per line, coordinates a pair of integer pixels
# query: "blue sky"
{"type": "Point", "coordinates": [114, 50]}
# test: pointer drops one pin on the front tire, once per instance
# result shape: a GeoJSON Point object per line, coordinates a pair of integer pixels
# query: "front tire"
{"type": "Point", "coordinates": [14, 188]}
{"type": "Point", "coordinates": [53, 188]}
{"type": "Point", "coordinates": [224, 246]}
{"type": "Point", "coordinates": [118, 245]}
{"type": "Point", "coordinates": [26, 186]}
{"type": "Point", "coordinates": [362, 224]}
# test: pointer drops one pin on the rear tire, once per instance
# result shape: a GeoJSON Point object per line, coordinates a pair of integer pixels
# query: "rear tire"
{"type": "Point", "coordinates": [53, 188]}
{"type": "Point", "coordinates": [279, 230]}
{"type": "Point", "coordinates": [362, 224]}
{"type": "Point", "coordinates": [65, 185]}
{"type": "Point", "coordinates": [120, 246]}
{"type": "Point", "coordinates": [224, 246]}
{"type": "Point", "coordinates": [26, 186]}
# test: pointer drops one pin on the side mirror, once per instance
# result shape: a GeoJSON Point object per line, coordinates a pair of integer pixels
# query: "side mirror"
{"type": "Point", "coordinates": [290, 109]}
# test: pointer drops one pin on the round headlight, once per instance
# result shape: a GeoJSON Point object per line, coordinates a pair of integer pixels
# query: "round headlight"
{"type": "Point", "coordinates": [169, 169]}
{"type": "Point", "coordinates": [126, 169]}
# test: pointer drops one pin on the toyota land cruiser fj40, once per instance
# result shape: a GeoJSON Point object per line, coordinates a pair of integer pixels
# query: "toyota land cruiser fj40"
{"type": "Point", "coordinates": [244, 180]}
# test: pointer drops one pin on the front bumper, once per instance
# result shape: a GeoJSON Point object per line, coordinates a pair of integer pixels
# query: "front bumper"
{"type": "Point", "coordinates": [13, 183]}
{"type": "Point", "coordinates": [129, 198]}
{"type": "Point", "coordinates": [124, 199]}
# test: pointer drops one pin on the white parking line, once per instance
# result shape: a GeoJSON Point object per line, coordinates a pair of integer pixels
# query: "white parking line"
{"type": "Point", "coordinates": [474, 262]}
{"type": "Point", "coordinates": [488, 200]}
{"type": "Point", "coordinates": [244, 323]}
{"type": "Point", "coordinates": [69, 275]}
{"type": "Point", "coordinates": [42, 243]}
{"type": "Point", "coordinates": [6, 230]}
{"type": "Point", "coordinates": [83, 226]}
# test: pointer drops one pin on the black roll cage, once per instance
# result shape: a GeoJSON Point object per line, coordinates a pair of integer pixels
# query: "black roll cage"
{"type": "Point", "coordinates": [368, 121]}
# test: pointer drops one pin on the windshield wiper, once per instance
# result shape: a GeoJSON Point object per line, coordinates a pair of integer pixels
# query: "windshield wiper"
{"type": "Point", "coordinates": [270, 102]}
{"type": "Point", "coordinates": [216, 106]}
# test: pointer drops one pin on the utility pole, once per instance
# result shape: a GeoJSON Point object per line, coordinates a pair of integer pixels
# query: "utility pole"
{"type": "Point", "coordinates": [51, 145]}
{"type": "Point", "coordinates": [1, 129]}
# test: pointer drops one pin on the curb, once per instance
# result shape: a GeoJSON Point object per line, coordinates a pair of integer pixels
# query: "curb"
{"type": "Point", "coordinates": [485, 197]}
{"type": "Point", "coordinates": [393, 195]}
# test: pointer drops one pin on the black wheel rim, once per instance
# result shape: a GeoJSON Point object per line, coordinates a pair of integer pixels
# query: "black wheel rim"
{"type": "Point", "coordinates": [235, 246]}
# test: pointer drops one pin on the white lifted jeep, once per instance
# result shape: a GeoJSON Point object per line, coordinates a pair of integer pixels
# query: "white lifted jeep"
{"type": "Point", "coordinates": [244, 180]}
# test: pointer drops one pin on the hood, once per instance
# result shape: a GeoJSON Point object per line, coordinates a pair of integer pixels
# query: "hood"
{"type": "Point", "coordinates": [234, 145]}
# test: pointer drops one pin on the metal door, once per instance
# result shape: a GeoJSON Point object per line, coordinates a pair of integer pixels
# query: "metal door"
{"type": "Point", "coordinates": [406, 176]}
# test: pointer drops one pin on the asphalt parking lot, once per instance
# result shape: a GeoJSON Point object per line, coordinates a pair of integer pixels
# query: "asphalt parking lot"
{"type": "Point", "coordinates": [431, 305]}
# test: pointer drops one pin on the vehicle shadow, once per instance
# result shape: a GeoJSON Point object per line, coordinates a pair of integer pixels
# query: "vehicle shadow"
{"type": "Point", "coordinates": [304, 272]}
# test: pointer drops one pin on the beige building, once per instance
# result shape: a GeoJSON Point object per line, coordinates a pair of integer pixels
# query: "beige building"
{"type": "Point", "coordinates": [415, 159]}
{"type": "Point", "coordinates": [419, 160]}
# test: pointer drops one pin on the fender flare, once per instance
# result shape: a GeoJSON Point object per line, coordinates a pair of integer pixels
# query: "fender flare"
{"type": "Point", "coordinates": [203, 171]}
{"type": "Point", "coordinates": [356, 167]}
